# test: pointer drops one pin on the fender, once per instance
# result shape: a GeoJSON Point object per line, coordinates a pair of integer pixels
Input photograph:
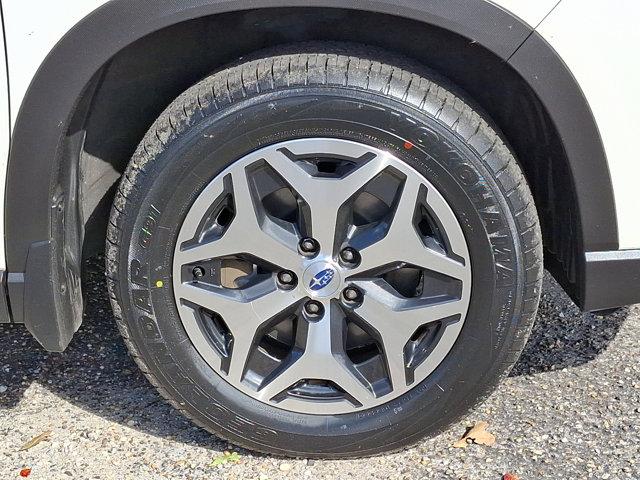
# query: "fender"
{"type": "Point", "coordinates": [44, 239]}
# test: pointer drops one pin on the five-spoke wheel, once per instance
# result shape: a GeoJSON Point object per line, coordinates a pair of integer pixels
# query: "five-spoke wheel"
{"type": "Point", "coordinates": [335, 276]}
{"type": "Point", "coordinates": [323, 255]}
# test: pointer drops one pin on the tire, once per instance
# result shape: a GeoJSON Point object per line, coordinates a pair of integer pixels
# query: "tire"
{"type": "Point", "coordinates": [429, 130]}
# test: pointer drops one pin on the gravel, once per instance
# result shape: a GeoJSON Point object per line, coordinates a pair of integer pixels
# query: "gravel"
{"type": "Point", "coordinates": [570, 409]}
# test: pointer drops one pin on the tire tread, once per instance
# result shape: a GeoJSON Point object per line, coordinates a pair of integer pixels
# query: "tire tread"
{"type": "Point", "coordinates": [290, 70]}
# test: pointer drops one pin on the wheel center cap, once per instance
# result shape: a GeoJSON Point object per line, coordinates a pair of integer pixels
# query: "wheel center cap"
{"type": "Point", "coordinates": [321, 279]}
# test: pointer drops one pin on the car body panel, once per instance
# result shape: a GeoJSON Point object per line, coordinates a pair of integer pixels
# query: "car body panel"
{"type": "Point", "coordinates": [597, 41]}
{"type": "Point", "coordinates": [54, 55]}
{"type": "Point", "coordinates": [33, 28]}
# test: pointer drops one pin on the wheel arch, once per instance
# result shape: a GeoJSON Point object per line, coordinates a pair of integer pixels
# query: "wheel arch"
{"type": "Point", "coordinates": [52, 196]}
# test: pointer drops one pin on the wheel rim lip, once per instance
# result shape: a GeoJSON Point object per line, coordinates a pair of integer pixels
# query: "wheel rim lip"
{"type": "Point", "coordinates": [200, 342]}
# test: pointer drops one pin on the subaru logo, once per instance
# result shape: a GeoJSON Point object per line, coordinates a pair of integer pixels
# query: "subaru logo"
{"type": "Point", "coordinates": [322, 279]}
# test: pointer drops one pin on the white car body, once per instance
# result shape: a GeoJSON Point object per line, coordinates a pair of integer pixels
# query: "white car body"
{"type": "Point", "coordinates": [592, 38]}
{"type": "Point", "coordinates": [579, 30]}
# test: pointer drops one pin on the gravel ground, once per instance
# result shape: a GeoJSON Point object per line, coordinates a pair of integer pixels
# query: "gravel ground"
{"type": "Point", "coordinates": [570, 409]}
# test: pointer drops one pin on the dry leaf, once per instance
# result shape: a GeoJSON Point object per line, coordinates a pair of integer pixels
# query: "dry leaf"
{"type": "Point", "coordinates": [462, 443]}
{"type": "Point", "coordinates": [477, 434]}
{"type": "Point", "coordinates": [510, 476]}
{"type": "Point", "coordinates": [36, 440]}
{"type": "Point", "coordinates": [25, 472]}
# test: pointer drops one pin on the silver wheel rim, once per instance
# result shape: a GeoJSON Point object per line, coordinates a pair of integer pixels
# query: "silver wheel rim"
{"type": "Point", "coordinates": [243, 281]}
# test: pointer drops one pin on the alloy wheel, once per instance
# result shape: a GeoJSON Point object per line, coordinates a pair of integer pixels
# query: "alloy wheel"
{"type": "Point", "coordinates": [321, 276]}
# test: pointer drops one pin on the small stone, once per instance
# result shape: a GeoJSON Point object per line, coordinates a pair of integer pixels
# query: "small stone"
{"type": "Point", "coordinates": [285, 467]}
{"type": "Point", "coordinates": [3, 388]}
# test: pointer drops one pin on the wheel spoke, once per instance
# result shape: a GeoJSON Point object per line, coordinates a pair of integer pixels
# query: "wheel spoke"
{"type": "Point", "coordinates": [403, 244]}
{"type": "Point", "coordinates": [396, 320]}
{"type": "Point", "coordinates": [325, 195]}
{"type": "Point", "coordinates": [244, 313]}
{"type": "Point", "coordinates": [323, 358]}
{"type": "Point", "coordinates": [245, 234]}
{"type": "Point", "coordinates": [408, 248]}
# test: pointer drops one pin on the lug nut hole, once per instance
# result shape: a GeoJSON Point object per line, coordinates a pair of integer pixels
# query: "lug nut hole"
{"type": "Point", "coordinates": [349, 257]}
{"type": "Point", "coordinates": [287, 279]}
{"type": "Point", "coordinates": [198, 272]}
{"type": "Point", "coordinates": [313, 309]}
{"type": "Point", "coordinates": [352, 296]}
{"type": "Point", "coordinates": [309, 247]}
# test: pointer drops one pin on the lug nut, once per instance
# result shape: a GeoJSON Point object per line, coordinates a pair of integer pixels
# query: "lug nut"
{"type": "Point", "coordinates": [349, 256]}
{"type": "Point", "coordinates": [352, 295]}
{"type": "Point", "coordinates": [313, 309]}
{"type": "Point", "coordinates": [309, 246]}
{"type": "Point", "coordinates": [286, 278]}
{"type": "Point", "coordinates": [198, 272]}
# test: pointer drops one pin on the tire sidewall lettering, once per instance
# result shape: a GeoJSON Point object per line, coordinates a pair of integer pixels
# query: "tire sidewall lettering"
{"type": "Point", "coordinates": [180, 172]}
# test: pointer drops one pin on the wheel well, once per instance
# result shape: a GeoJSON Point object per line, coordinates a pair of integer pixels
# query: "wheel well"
{"type": "Point", "coordinates": [142, 79]}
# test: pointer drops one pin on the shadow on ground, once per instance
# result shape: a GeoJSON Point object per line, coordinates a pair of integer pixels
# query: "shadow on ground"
{"type": "Point", "coordinates": [563, 336]}
{"type": "Point", "coordinates": [96, 374]}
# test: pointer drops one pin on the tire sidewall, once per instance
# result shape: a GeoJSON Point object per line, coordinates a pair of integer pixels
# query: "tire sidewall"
{"type": "Point", "coordinates": [189, 162]}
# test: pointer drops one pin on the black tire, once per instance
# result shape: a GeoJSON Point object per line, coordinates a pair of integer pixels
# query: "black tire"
{"type": "Point", "coordinates": [266, 100]}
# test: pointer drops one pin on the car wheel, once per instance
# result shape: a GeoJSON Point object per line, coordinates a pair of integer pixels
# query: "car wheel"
{"type": "Point", "coordinates": [316, 254]}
